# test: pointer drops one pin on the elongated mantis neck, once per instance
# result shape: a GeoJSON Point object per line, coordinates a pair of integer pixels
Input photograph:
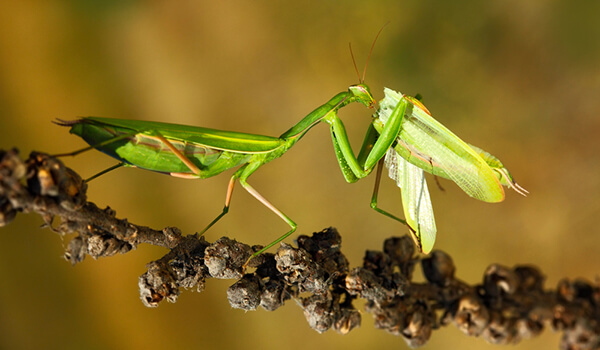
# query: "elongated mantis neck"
{"type": "Point", "coordinates": [356, 93]}
{"type": "Point", "coordinates": [314, 117]}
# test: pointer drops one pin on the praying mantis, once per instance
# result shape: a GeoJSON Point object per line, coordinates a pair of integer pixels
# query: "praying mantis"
{"type": "Point", "coordinates": [402, 135]}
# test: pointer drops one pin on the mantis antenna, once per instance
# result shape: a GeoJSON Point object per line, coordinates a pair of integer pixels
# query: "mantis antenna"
{"type": "Point", "coordinates": [362, 80]}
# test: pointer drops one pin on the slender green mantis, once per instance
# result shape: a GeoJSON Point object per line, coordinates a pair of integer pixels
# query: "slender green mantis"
{"type": "Point", "coordinates": [196, 152]}
{"type": "Point", "coordinates": [402, 128]}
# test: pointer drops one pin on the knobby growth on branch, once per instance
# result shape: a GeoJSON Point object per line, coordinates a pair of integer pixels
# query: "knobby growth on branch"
{"type": "Point", "coordinates": [510, 304]}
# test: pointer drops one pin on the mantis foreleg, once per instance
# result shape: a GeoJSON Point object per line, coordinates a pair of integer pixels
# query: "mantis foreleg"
{"type": "Point", "coordinates": [370, 152]}
{"type": "Point", "coordinates": [373, 149]}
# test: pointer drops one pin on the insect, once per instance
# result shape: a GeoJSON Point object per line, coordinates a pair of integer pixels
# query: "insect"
{"type": "Point", "coordinates": [402, 128]}
{"type": "Point", "coordinates": [418, 211]}
{"type": "Point", "coordinates": [424, 144]}
{"type": "Point", "coordinates": [196, 152]}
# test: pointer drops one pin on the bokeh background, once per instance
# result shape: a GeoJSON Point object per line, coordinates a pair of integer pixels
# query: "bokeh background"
{"type": "Point", "coordinates": [519, 78]}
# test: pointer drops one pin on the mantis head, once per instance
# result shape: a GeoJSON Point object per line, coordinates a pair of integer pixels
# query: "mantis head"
{"type": "Point", "coordinates": [362, 93]}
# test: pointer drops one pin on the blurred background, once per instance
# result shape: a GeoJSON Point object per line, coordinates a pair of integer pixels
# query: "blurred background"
{"type": "Point", "coordinates": [520, 79]}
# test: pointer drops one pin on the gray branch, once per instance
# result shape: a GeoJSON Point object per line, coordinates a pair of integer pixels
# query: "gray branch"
{"type": "Point", "coordinates": [510, 304]}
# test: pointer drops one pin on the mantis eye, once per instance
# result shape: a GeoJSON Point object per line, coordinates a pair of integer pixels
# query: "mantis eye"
{"type": "Point", "coordinates": [362, 94]}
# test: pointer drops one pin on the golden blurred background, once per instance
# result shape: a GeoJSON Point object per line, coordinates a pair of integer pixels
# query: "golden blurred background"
{"type": "Point", "coordinates": [519, 78]}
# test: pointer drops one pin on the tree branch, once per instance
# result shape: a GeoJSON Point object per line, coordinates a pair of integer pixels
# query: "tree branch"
{"type": "Point", "coordinates": [511, 303]}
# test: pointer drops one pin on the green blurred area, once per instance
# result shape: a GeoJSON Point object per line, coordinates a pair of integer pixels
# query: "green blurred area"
{"type": "Point", "coordinates": [520, 79]}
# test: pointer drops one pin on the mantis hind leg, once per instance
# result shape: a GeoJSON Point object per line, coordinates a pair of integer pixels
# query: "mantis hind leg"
{"type": "Point", "coordinates": [105, 171]}
{"type": "Point", "coordinates": [95, 146]}
{"type": "Point", "coordinates": [376, 193]}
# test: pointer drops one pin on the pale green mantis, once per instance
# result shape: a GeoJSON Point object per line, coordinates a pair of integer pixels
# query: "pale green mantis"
{"type": "Point", "coordinates": [402, 128]}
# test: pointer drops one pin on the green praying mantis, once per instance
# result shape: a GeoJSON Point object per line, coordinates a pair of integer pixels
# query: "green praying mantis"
{"type": "Point", "coordinates": [402, 135]}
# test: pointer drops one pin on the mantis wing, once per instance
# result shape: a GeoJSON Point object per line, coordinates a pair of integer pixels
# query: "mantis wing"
{"type": "Point", "coordinates": [416, 202]}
